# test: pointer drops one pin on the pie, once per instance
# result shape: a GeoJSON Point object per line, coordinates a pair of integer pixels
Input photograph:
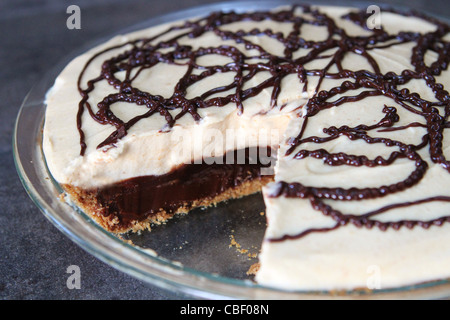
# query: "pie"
{"type": "Point", "coordinates": [341, 124]}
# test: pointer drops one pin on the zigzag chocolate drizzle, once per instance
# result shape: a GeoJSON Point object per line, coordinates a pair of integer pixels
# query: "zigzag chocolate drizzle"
{"type": "Point", "coordinates": [386, 85]}
{"type": "Point", "coordinates": [146, 53]}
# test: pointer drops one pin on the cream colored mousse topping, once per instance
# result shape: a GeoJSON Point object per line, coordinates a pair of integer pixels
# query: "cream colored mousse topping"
{"type": "Point", "coordinates": [360, 116]}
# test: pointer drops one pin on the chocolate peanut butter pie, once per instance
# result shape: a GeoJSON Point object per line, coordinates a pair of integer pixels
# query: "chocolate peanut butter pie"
{"type": "Point", "coordinates": [342, 125]}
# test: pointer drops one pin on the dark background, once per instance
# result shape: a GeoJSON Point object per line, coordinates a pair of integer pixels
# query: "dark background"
{"type": "Point", "coordinates": [34, 255]}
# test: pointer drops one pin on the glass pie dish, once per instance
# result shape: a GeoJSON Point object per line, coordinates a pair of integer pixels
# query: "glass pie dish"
{"type": "Point", "coordinates": [206, 254]}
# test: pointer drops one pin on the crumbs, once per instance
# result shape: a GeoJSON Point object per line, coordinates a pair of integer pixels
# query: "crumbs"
{"type": "Point", "coordinates": [253, 269]}
{"type": "Point", "coordinates": [251, 253]}
{"type": "Point", "coordinates": [182, 245]}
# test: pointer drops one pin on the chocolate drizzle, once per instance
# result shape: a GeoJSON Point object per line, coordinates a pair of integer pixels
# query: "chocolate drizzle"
{"type": "Point", "coordinates": [145, 53]}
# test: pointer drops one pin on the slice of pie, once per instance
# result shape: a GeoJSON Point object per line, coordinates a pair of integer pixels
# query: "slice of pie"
{"type": "Point", "coordinates": [342, 124]}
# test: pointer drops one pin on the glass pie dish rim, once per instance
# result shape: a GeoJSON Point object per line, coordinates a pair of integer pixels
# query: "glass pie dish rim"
{"type": "Point", "coordinates": [140, 263]}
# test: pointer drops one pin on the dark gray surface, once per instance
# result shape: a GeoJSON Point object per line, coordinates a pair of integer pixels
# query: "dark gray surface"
{"type": "Point", "coordinates": [34, 255]}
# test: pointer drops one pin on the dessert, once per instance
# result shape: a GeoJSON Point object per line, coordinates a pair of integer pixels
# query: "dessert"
{"type": "Point", "coordinates": [342, 127]}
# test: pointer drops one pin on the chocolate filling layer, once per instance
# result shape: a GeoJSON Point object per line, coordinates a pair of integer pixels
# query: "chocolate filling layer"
{"type": "Point", "coordinates": [139, 198]}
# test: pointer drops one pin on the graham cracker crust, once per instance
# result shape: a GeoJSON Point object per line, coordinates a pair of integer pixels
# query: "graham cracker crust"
{"type": "Point", "coordinates": [87, 201]}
